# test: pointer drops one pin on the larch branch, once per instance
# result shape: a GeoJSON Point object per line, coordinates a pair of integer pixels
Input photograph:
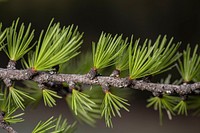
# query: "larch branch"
{"type": "Point", "coordinates": [45, 77]}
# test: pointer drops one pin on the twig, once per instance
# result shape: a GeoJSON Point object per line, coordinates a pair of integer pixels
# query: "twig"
{"type": "Point", "coordinates": [45, 77]}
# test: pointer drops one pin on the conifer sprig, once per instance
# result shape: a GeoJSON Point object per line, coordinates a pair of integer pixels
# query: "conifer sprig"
{"type": "Point", "coordinates": [18, 41]}
{"type": "Point", "coordinates": [151, 59]}
{"type": "Point", "coordinates": [9, 110]}
{"type": "Point", "coordinates": [181, 108]}
{"type": "Point", "coordinates": [57, 46]}
{"type": "Point", "coordinates": [166, 54]}
{"type": "Point", "coordinates": [161, 103]}
{"type": "Point", "coordinates": [11, 118]}
{"type": "Point", "coordinates": [62, 126]}
{"type": "Point", "coordinates": [45, 127]}
{"type": "Point", "coordinates": [17, 97]}
{"type": "Point", "coordinates": [79, 100]}
{"type": "Point", "coordinates": [48, 97]}
{"type": "Point", "coordinates": [85, 109]}
{"type": "Point", "coordinates": [106, 51]}
{"type": "Point", "coordinates": [190, 66]}
{"type": "Point", "coordinates": [140, 60]}
{"type": "Point", "coordinates": [56, 125]}
{"type": "Point", "coordinates": [111, 106]}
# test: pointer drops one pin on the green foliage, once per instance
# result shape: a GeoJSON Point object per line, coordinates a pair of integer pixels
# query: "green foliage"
{"type": "Point", "coordinates": [194, 104]}
{"type": "Point", "coordinates": [9, 111]}
{"type": "Point", "coordinates": [17, 97]}
{"type": "Point", "coordinates": [166, 54]}
{"type": "Point", "coordinates": [45, 127]}
{"type": "Point", "coordinates": [140, 61]}
{"type": "Point", "coordinates": [18, 42]}
{"type": "Point", "coordinates": [112, 105]}
{"type": "Point", "coordinates": [80, 65]}
{"type": "Point", "coordinates": [63, 127]}
{"type": "Point", "coordinates": [2, 47]}
{"type": "Point", "coordinates": [79, 100]}
{"type": "Point", "coordinates": [121, 62]}
{"type": "Point", "coordinates": [1, 97]}
{"type": "Point", "coordinates": [151, 59]}
{"type": "Point", "coordinates": [32, 89]}
{"type": "Point", "coordinates": [37, 93]}
{"type": "Point", "coordinates": [189, 68]}
{"type": "Point", "coordinates": [164, 102]}
{"type": "Point", "coordinates": [197, 78]}
{"type": "Point", "coordinates": [181, 108]}
{"type": "Point", "coordinates": [2, 36]}
{"type": "Point", "coordinates": [85, 109]}
{"type": "Point", "coordinates": [3, 101]}
{"type": "Point", "coordinates": [11, 118]}
{"type": "Point", "coordinates": [54, 126]}
{"type": "Point", "coordinates": [105, 53]}
{"type": "Point", "coordinates": [55, 47]}
{"type": "Point", "coordinates": [48, 97]}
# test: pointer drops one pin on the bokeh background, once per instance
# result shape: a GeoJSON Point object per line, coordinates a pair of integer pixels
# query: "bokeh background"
{"type": "Point", "coordinates": [142, 18]}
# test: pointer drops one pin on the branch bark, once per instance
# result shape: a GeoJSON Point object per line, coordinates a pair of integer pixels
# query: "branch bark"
{"type": "Point", "coordinates": [45, 77]}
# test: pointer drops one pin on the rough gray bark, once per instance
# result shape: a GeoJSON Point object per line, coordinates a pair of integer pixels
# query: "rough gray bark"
{"type": "Point", "coordinates": [45, 77]}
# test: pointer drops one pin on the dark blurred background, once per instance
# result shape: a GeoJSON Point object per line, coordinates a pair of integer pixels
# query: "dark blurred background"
{"type": "Point", "coordinates": [143, 18]}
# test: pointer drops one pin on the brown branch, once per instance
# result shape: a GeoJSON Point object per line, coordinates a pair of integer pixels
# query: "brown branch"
{"type": "Point", "coordinates": [45, 77]}
{"type": "Point", "coordinates": [5, 126]}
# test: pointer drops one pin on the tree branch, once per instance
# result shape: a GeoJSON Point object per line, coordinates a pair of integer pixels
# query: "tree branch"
{"type": "Point", "coordinates": [119, 82]}
{"type": "Point", "coordinates": [45, 77]}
